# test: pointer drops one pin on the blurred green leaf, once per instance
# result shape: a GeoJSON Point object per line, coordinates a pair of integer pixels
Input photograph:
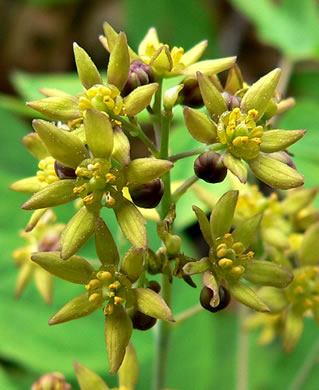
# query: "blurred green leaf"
{"type": "Point", "coordinates": [291, 26]}
{"type": "Point", "coordinates": [304, 84]}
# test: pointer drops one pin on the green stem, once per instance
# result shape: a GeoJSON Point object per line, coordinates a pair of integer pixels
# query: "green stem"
{"type": "Point", "coordinates": [306, 367]}
{"type": "Point", "coordinates": [129, 127]}
{"type": "Point", "coordinates": [183, 188]}
{"type": "Point", "coordinates": [163, 329]}
{"type": "Point", "coordinates": [193, 152]}
{"type": "Point", "coordinates": [157, 117]}
{"type": "Point", "coordinates": [242, 350]}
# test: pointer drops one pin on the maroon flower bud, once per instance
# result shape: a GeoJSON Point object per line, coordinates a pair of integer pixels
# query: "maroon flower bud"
{"type": "Point", "coordinates": [147, 195]}
{"type": "Point", "coordinates": [139, 74]}
{"type": "Point", "coordinates": [140, 320]}
{"type": "Point", "coordinates": [64, 172]}
{"type": "Point", "coordinates": [207, 294]}
{"type": "Point", "coordinates": [154, 285]}
{"type": "Point", "coordinates": [209, 167]}
{"type": "Point", "coordinates": [190, 95]}
{"type": "Point", "coordinates": [231, 101]}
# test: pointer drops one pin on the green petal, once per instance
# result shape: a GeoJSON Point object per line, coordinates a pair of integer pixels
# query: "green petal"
{"type": "Point", "coordinates": [58, 108]}
{"type": "Point", "coordinates": [128, 372]}
{"type": "Point", "coordinates": [77, 232]}
{"type": "Point", "coordinates": [75, 270]}
{"type": "Point", "coordinates": [209, 67]}
{"type": "Point", "coordinates": [236, 166]}
{"type": "Point", "coordinates": [221, 218]}
{"type": "Point", "coordinates": [197, 267]}
{"type": "Point", "coordinates": [55, 194]}
{"type": "Point", "coordinates": [204, 225]}
{"type": "Point", "coordinates": [139, 99]}
{"type": "Point", "coordinates": [119, 63]}
{"type": "Point", "coordinates": [35, 146]}
{"type": "Point", "coordinates": [259, 94]}
{"type": "Point", "coordinates": [29, 185]}
{"type": "Point", "coordinates": [152, 304]}
{"type": "Point", "coordinates": [266, 273]}
{"type": "Point", "coordinates": [132, 263]}
{"type": "Point", "coordinates": [87, 71]}
{"type": "Point", "coordinates": [118, 329]}
{"type": "Point", "coordinates": [309, 249]}
{"type": "Point", "coordinates": [274, 298]}
{"type": "Point", "coordinates": [105, 245]}
{"type": "Point", "coordinates": [200, 126]}
{"type": "Point", "coordinates": [24, 276]}
{"type": "Point", "coordinates": [77, 308]}
{"type": "Point", "coordinates": [99, 134]}
{"type": "Point", "coordinates": [121, 146]}
{"type": "Point", "coordinates": [88, 380]}
{"type": "Point", "coordinates": [297, 200]}
{"type": "Point", "coordinates": [62, 145]}
{"type": "Point", "coordinates": [244, 294]}
{"type": "Point", "coordinates": [275, 173]}
{"type": "Point", "coordinates": [143, 170]}
{"type": "Point", "coordinates": [276, 140]}
{"type": "Point", "coordinates": [194, 54]}
{"type": "Point", "coordinates": [44, 284]}
{"type": "Point", "coordinates": [293, 330]}
{"type": "Point", "coordinates": [35, 218]}
{"type": "Point", "coordinates": [212, 98]}
{"type": "Point", "coordinates": [234, 80]}
{"type": "Point", "coordinates": [132, 223]}
{"type": "Point", "coordinates": [245, 232]}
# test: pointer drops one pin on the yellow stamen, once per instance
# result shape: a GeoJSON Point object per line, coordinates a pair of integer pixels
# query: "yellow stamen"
{"type": "Point", "coordinates": [109, 308]}
{"type": "Point", "coordinates": [222, 252]}
{"type": "Point", "coordinates": [225, 263]}
{"type": "Point", "coordinates": [93, 284]}
{"type": "Point", "coordinates": [118, 300]}
{"type": "Point", "coordinates": [110, 178]}
{"type": "Point", "coordinates": [299, 290]}
{"type": "Point", "coordinates": [115, 285]}
{"type": "Point", "coordinates": [104, 275]}
{"type": "Point", "coordinates": [88, 199]}
{"type": "Point", "coordinates": [239, 270]}
{"type": "Point", "coordinates": [95, 298]}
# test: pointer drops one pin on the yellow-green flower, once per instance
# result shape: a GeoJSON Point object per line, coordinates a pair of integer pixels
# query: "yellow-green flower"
{"type": "Point", "coordinates": [44, 237]}
{"type": "Point", "coordinates": [239, 125]}
{"type": "Point", "coordinates": [166, 61]}
{"type": "Point", "coordinates": [230, 260]}
{"type": "Point", "coordinates": [109, 287]}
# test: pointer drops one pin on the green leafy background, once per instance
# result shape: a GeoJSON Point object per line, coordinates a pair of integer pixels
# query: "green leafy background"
{"type": "Point", "coordinates": [203, 349]}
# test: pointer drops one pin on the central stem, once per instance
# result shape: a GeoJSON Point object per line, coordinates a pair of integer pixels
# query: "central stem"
{"type": "Point", "coordinates": [163, 329]}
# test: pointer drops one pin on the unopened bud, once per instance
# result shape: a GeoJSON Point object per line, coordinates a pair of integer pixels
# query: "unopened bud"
{"type": "Point", "coordinates": [231, 101]}
{"type": "Point", "coordinates": [190, 95]}
{"type": "Point", "coordinates": [140, 320]}
{"type": "Point", "coordinates": [147, 195]}
{"type": "Point", "coordinates": [64, 172]}
{"type": "Point", "coordinates": [209, 167]}
{"type": "Point", "coordinates": [207, 294]}
{"type": "Point", "coordinates": [154, 285]}
{"type": "Point", "coordinates": [52, 381]}
{"type": "Point", "coordinates": [139, 74]}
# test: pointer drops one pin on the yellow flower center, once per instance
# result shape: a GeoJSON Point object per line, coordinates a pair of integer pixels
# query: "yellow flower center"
{"type": "Point", "coordinates": [47, 174]}
{"type": "Point", "coordinates": [240, 133]}
{"type": "Point", "coordinates": [151, 48]}
{"type": "Point", "coordinates": [104, 98]}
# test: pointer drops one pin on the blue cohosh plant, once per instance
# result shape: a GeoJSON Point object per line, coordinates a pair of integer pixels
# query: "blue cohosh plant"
{"type": "Point", "coordinates": [84, 156]}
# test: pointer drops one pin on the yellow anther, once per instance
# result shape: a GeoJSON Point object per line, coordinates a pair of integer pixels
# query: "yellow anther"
{"type": "Point", "coordinates": [75, 122]}
{"type": "Point", "coordinates": [89, 199]}
{"type": "Point", "coordinates": [87, 287]}
{"type": "Point", "coordinates": [115, 285]}
{"type": "Point", "coordinates": [221, 246]}
{"type": "Point", "coordinates": [253, 113]}
{"type": "Point", "coordinates": [244, 139]}
{"type": "Point", "coordinates": [225, 263]}
{"type": "Point", "coordinates": [250, 255]}
{"type": "Point", "coordinates": [119, 123]}
{"type": "Point", "coordinates": [79, 190]}
{"type": "Point", "coordinates": [238, 248]}
{"type": "Point", "coordinates": [92, 92]}
{"type": "Point", "coordinates": [227, 235]}
{"type": "Point", "coordinates": [104, 275]}
{"type": "Point", "coordinates": [109, 308]}
{"type": "Point", "coordinates": [110, 201]}
{"type": "Point", "coordinates": [256, 141]}
{"type": "Point", "coordinates": [110, 178]}
{"type": "Point", "coordinates": [95, 299]}
{"type": "Point", "coordinates": [237, 141]}
{"type": "Point", "coordinates": [228, 239]}
{"type": "Point", "coordinates": [256, 132]}
{"type": "Point", "coordinates": [222, 252]}
{"type": "Point", "coordinates": [302, 277]}
{"type": "Point", "coordinates": [299, 290]}
{"type": "Point", "coordinates": [177, 53]}
{"type": "Point", "coordinates": [238, 270]}
{"type": "Point", "coordinates": [308, 303]}
{"type": "Point", "coordinates": [93, 284]}
{"type": "Point", "coordinates": [118, 300]}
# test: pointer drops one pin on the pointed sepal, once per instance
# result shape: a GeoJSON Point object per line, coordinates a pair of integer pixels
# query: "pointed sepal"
{"type": "Point", "coordinates": [87, 71]}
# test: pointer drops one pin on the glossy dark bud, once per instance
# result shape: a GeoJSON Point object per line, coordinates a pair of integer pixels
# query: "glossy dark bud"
{"type": "Point", "coordinates": [154, 285]}
{"type": "Point", "coordinates": [231, 100]}
{"type": "Point", "coordinates": [209, 167]}
{"type": "Point", "coordinates": [147, 195]}
{"type": "Point", "coordinates": [140, 320]}
{"type": "Point", "coordinates": [139, 74]}
{"type": "Point", "coordinates": [190, 95]}
{"type": "Point", "coordinates": [207, 294]}
{"type": "Point", "coordinates": [64, 172]}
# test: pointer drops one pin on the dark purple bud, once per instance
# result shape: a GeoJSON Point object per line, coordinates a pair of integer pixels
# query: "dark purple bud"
{"type": "Point", "coordinates": [190, 95]}
{"type": "Point", "coordinates": [140, 320]}
{"type": "Point", "coordinates": [64, 172]}
{"type": "Point", "coordinates": [154, 285]}
{"type": "Point", "coordinates": [207, 294]}
{"type": "Point", "coordinates": [231, 101]}
{"type": "Point", "coordinates": [139, 74]}
{"type": "Point", "coordinates": [147, 195]}
{"type": "Point", "coordinates": [283, 157]}
{"type": "Point", "coordinates": [209, 167]}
